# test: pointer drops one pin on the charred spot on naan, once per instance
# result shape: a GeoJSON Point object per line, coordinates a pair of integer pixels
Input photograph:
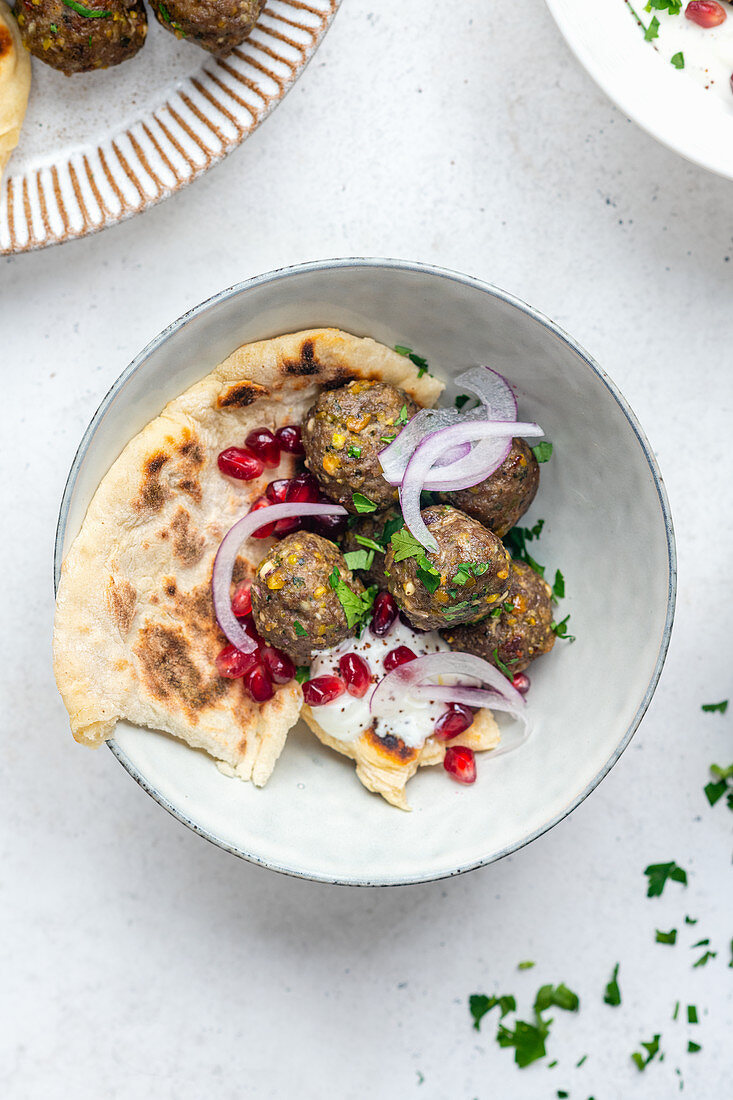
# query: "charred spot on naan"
{"type": "Point", "coordinates": [188, 543]}
{"type": "Point", "coordinates": [392, 747]}
{"type": "Point", "coordinates": [241, 394]}
{"type": "Point", "coordinates": [121, 601]}
{"type": "Point", "coordinates": [6, 42]}
{"type": "Point", "coordinates": [195, 610]}
{"type": "Point", "coordinates": [170, 672]}
{"type": "Point", "coordinates": [153, 494]}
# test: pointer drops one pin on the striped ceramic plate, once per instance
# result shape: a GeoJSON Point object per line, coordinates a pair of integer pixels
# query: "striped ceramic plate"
{"type": "Point", "coordinates": [100, 147]}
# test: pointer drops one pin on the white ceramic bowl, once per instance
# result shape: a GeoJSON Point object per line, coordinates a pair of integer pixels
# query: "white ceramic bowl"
{"type": "Point", "coordinates": [607, 526]}
{"type": "Point", "coordinates": [668, 104]}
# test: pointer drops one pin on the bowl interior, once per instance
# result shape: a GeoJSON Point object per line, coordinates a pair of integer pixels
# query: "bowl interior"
{"type": "Point", "coordinates": [605, 527]}
{"type": "Point", "coordinates": [669, 104]}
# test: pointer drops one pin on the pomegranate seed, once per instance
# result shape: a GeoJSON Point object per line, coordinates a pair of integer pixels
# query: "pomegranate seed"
{"type": "Point", "coordinates": [357, 674]}
{"type": "Point", "coordinates": [231, 663]}
{"type": "Point", "coordinates": [452, 722]}
{"type": "Point", "coordinates": [248, 626]}
{"type": "Point", "coordinates": [236, 462]}
{"type": "Point", "coordinates": [460, 763]}
{"type": "Point", "coordinates": [242, 600]}
{"type": "Point", "coordinates": [330, 527]}
{"type": "Point", "coordinates": [278, 664]}
{"type": "Point", "coordinates": [322, 689]}
{"type": "Point", "coordinates": [706, 13]}
{"type": "Point", "coordinates": [259, 684]}
{"type": "Point", "coordinates": [520, 681]}
{"type": "Point", "coordinates": [267, 530]}
{"type": "Point", "coordinates": [384, 614]}
{"type": "Point", "coordinates": [262, 443]}
{"type": "Point", "coordinates": [303, 488]}
{"type": "Point", "coordinates": [289, 439]}
{"type": "Point", "coordinates": [399, 656]}
{"type": "Point", "coordinates": [287, 526]}
{"type": "Point", "coordinates": [276, 490]}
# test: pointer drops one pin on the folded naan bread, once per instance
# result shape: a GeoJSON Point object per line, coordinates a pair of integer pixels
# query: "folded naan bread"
{"type": "Point", "coordinates": [135, 634]}
{"type": "Point", "coordinates": [15, 83]}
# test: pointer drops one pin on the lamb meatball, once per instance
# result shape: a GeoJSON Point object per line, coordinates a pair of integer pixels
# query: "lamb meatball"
{"type": "Point", "coordinates": [72, 42]}
{"type": "Point", "coordinates": [295, 607]}
{"type": "Point", "coordinates": [501, 500]}
{"type": "Point", "coordinates": [520, 632]}
{"type": "Point", "coordinates": [375, 527]}
{"type": "Point", "coordinates": [470, 565]}
{"type": "Point", "coordinates": [343, 434]}
{"type": "Point", "coordinates": [215, 25]}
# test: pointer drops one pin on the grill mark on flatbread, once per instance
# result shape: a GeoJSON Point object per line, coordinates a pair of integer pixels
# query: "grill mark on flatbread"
{"type": "Point", "coordinates": [171, 675]}
{"type": "Point", "coordinates": [153, 494]}
{"type": "Point", "coordinates": [188, 543]}
{"type": "Point", "coordinates": [393, 747]}
{"type": "Point", "coordinates": [121, 599]}
{"type": "Point", "coordinates": [241, 395]}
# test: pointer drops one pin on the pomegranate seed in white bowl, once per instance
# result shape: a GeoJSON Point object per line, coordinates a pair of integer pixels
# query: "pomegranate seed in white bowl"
{"type": "Point", "coordinates": [606, 525]}
{"type": "Point", "coordinates": [669, 70]}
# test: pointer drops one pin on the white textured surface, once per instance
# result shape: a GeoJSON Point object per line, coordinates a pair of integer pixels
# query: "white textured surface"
{"type": "Point", "coordinates": [144, 962]}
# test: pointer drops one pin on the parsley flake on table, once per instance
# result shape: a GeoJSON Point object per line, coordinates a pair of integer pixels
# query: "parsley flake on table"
{"type": "Point", "coordinates": [560, 630]}
{"type": "Point", "coordinates": [715, 708]}
{"type": "Point", "coordinates": [562, 1094]}
{"type": "Point", "coordinates": [580, 1061]}
{"type": "Point", "coordinates": [362, 503]}
{"type": "Point", "coordinates": [651, 1048]}
{"type": "Point", "coordinates": [666, 937]}
{"type": "Point", "coordinates": [730, 964]}
{"type": "Point", "coordinates": [658, 873]}
{"type": "Point", "coordinates": [612, 996]}
{"type": "Point", "coordinates": [479, 1004]}
{"type": "Point", "coordinates": [676, 1012]}
{"type": "Point", "coordinates": [558, 588]}
{"type": "Point", "coordinates": [300, 629]}
{"type": "Point", "coordinates": [704, 959]}
{"type": "Point", "coordinates": [420, 363]}
{"type": "Point", "coordinates": [527, 964]}
{"type": "Point", "coordinates": [528, 1040]}
{"type": "Point", "coordinates": [652, 30]}
{"type": "Point", "coordinates": [689, 920]}
{"type": "Point", "coordinates": [542, 451]}
{"type": "Point", "coordinates": [559, 996]}
{"type": "Point", "coordinates": [723, 777]}
{"type": "Point", "coordinates": [678, 60]}
{"type": "Point", "coordinates": [692, 1014]}
{"type": "Point", "coordinates": [356, 605]}
{"type": "Point", "coordinates": [692, 1048]}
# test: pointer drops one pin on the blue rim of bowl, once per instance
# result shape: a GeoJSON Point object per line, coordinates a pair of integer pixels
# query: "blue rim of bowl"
{"type": "Point", "coordinates": [477, 284]}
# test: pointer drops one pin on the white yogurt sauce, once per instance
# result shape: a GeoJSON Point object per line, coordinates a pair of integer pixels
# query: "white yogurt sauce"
{"type": "Point", "coordinates": [708, 53]}
{"type": "Point", "coordinates": [347, 717]}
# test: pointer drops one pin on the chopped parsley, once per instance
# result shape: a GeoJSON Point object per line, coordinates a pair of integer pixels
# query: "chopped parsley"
{"type": "Point", "coordinates": [542, 451]}
{"type": "Point", "coordinates": [359, 559]}
{"type": "Point", "coordinates": [461, 400]}
{"type": "Point", "coordinates": [666, 937]}
{"type": "Point", "coordinates": [467, 570]}
{"type": "Point", "coordinates": [353, 451]}
{"type": "Point", "coordinates": [658, 873]}
{"type": "Point", "coordinates": [715, 708]}
{"type": "Point", "coordinates": [689, 920]}
{"type": "Point", "coordinates": [678, 60]}
{"type": "Point", "coordinates": [526, 965]}
{"type": "Point", "coordinates": [579, 1063]}
{"type": "Point", "coordinates": [692, 1048]}
{"type": "Point", "coordinates": [558, 588]}
{"type": "Point", "coordinates": [560, 630]}
{"type": "Point", "coordinates": [705, 959]}
{"type": "Point", "coordinates": [88, 13]}
{"type": "Point", "coordinates": [676, 1012]}
{"type": "Point", "coordinates": [362, 503]}
{"type": "Point", "coordinates": [370, 544]}
{"type": "Point", "coordinates": [516, 543]}
{"type": "Point", "coordinates": [479, 1004]}
{"type": "Point", "coordinates": [730, 964]}
{"type": "Point", "coordinates": [300, 629]}
{"type": "Point", "coordinates": [396, 523]}
{"type": "Point", "coordinates": [402, 418]}
{"type": "Point", "coordinates": [420, 363]}
{"type": "Point", "coordinates": [303, 673]}
{"type": "Point", "coordinates": [651, 1048]}
{"type": "Point", "coordinates": [652, 30]}
{"type": "Point", "coordinates": [428, 574]}
{"type": "Point", "coordinates": [715, 790]}
{"type": "Point", "coordinates": [562, 1094]}
{"type": "Point", "coordinates": [559, 996]}
{"type": "Point", "coordinates": [504, 669]}
{"type": "Point", "coordinates": [356, 605]}
{"type": "Point", "coordinates": [672, 6]}
{"type": "Point", "coordinates": [612, 996]}
{"type": "Point", "coordinates": [528, 1040]}
{"type": "Point", "coordinates": [692, 1014]}
{"type": "Point", "coordinates": [405, 545]}
{"type": "Point", "coordinates": [700, 943]}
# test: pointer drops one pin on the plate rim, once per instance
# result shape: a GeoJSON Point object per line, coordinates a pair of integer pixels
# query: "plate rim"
{"type": "Point", "coordinates": [127, 211]}
{"type": "Point", "coordinates": [284, 273]}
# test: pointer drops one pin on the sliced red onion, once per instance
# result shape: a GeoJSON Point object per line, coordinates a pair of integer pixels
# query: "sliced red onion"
{"type": "Point", "coordinates": [221, 578]}
{"type": "Point", "coordinates": [493, 391]}
{"type": "Point", "coordinates": [422, 474]}
{"type": "Point", "coordinates": [409, 680]}
{"type": "Point", "coordinates": [394, 458]}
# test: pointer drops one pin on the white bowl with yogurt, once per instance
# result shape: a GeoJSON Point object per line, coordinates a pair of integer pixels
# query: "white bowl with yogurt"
{"type": "Point", "coordinates": [607, 526]}
{"type": "Point", "coordinates": [690, 108]}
